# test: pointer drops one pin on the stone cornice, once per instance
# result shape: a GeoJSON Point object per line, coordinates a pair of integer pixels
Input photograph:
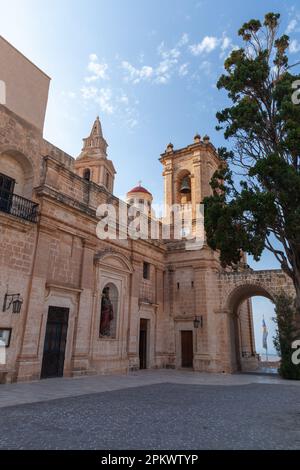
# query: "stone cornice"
{"type": "Point", "coordinates": [16, 223]}
{"type": "Point", "coordinates": [49, 285]}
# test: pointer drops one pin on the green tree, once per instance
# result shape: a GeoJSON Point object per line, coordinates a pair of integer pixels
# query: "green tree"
{"type": "Point", "coordinates": [285, 335]}
{"type": "Point", "coordinates": [256, 191]}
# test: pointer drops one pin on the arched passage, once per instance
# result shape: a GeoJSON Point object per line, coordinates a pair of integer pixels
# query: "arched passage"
{"type": "Point", "coordinates": [242, 331]}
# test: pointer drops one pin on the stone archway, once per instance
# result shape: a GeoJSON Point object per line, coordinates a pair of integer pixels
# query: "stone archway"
{"type": "Point", "coordinates": [243, 348]}
{"type": "Point", "coordinates": [236, 288]}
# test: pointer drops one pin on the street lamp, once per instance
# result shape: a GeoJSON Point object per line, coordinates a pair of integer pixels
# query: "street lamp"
{"type": "Point", "coordinates": [198, 321]}
{"type": "Point", "coordinates": [12, 299]}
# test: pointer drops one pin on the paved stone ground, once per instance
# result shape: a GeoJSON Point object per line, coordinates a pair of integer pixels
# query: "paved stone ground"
{"type": "Point", "coordinates": [147, 411]}
{"type": "Point", "coordinates": [44, 390]}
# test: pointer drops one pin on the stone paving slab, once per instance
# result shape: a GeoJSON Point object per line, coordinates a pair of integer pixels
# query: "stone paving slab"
{"type": "Point", "coordinates": [175, 416]}
{"type": "Point", "coordinates": [51, 389]}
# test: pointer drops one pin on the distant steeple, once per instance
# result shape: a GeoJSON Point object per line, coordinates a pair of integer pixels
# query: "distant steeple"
{"type": "Point", "coordinates": [92, 163]}
{"type": "Point", "coordinates": [95, 145]}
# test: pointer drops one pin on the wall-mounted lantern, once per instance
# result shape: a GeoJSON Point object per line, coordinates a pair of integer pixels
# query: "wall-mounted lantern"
{"type": "Point", "coordinates": [198, 321]}
{"type": "Point", "coordinates": [12, 299]}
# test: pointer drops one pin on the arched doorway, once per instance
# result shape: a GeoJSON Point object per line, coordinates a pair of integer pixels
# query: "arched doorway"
{"type": "Point", "coordinates": [249, 305]}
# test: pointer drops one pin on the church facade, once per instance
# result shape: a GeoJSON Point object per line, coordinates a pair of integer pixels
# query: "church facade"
{"type": "Point", "coordinates": [77, 304]}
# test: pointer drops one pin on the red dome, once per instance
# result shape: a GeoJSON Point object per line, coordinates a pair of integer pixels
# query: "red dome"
{"type": "Point", "coordinates": [139, 189]}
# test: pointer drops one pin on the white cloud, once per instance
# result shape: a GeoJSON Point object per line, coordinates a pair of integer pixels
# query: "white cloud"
{"type": "Point", "coordinates": [207, 45]}
{"type": "Point", "coordinates": [183, 70]}
{"type": "Point", "coordinates": [210, 43]}
{"type": "Point", "coordinates": [294, 46]}
{"type": "Point", "coordinates": [159, 74]}
{"type": "Point", "coordinates": [124, 99]}
{"type": "Point", "coordinates": [205, 67]}
{"type": "Point", "coordinates": [164, 53]}
{"type": "Point", "coordinates": [162, 72]}
{"type": "Point", "coordinates": [132, 122]}
{"type": "Point", "coordinates": [89, 92]}
{"type": "Point", "coordinates": [104, 100]}
{"type": "Point", "coordinates": [226, 46]}
{"type": "Point", "coordinates": [169, 62]}
{"type": "Point", "coordinates": [100, 96]}
{"type": "Point", "coordinates": [183, 40]}
{"type": "Point", "coordinates": [226, 43]}
{"type": "Point", "coordinates": [291, 26]}
{"type": "Point", "coordinates": [98, 70]}
{"type": "Point", "coordinates": [134, 74]}
{"type": "Point", "coordinates": [112, 102]}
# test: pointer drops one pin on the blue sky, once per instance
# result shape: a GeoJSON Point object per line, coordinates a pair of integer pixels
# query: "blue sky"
{"type": "Point", "coordinates": [148, 68]}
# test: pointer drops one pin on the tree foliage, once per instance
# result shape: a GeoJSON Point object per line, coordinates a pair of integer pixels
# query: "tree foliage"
{"type": "Point", "coordinates": [255, 203]}
{"type": "Point", "coordinates": [285, 335]}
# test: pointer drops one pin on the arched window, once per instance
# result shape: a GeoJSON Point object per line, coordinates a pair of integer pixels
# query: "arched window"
{"type": "Point", "coordinates": [15, 166]}
{"type": "Point", "coordinates": [87, 174]}
{"type": "Point", "coordinates": [107, 180]}
{"type": "Point", "coordinates": [109, 311]}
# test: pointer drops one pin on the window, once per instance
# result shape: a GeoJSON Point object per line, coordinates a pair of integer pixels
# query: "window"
{"type": "Point", "coordinates": [5, 335]}
{"type": "Point", "coordinates": [87, 174]}
{"type": "Point", "coordinates": [107, 180]}
{"type": "Point", "coordinates": [146, 270]}
{"type": "Point", "coordinates": [6, 190]}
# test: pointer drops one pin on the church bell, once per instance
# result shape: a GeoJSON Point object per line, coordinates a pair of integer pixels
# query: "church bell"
{"type": "Point", "coordinates": [185, 185]}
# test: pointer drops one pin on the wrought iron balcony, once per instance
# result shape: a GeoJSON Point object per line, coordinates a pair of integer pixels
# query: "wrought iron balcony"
{"type": "Point", "coordinates": [18, 206]}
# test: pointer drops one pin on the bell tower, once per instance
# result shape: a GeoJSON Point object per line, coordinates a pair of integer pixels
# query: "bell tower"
{"type": "Point", "coordinates": [92, 163]}
{"type": "Point", "coordinates": [187, 173]}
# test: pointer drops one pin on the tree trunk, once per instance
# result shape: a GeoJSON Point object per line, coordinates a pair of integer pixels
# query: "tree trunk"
{"type": "Point", "coordinates": [294, 272]}
{"type": "Point", "coordinates": [297, 288]}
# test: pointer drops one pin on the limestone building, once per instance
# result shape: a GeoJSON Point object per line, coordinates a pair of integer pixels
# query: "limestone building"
{"type": "Point", "coordinates": [72, 303]}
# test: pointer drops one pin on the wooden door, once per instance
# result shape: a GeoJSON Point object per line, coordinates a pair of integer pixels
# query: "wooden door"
{"type": "Point", "coordinates": [55, 342]}
{"type": "Point", "coordinates": [143, 343]}
{"type": "Point", "coordinates": [187, 349]}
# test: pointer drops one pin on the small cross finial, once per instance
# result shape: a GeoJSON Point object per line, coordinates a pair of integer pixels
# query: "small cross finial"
{"type": "Point", "coordinates": [139, 182]}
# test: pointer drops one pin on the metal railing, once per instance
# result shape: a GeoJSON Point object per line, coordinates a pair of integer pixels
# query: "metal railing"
{"type": "Point", "coordinates": [18, 206]}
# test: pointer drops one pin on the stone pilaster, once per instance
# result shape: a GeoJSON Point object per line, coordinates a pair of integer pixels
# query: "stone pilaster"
{"type": "Point", "coordinates": [84, 318]}
{"type": "Point", "coordinates": [28, 362]}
